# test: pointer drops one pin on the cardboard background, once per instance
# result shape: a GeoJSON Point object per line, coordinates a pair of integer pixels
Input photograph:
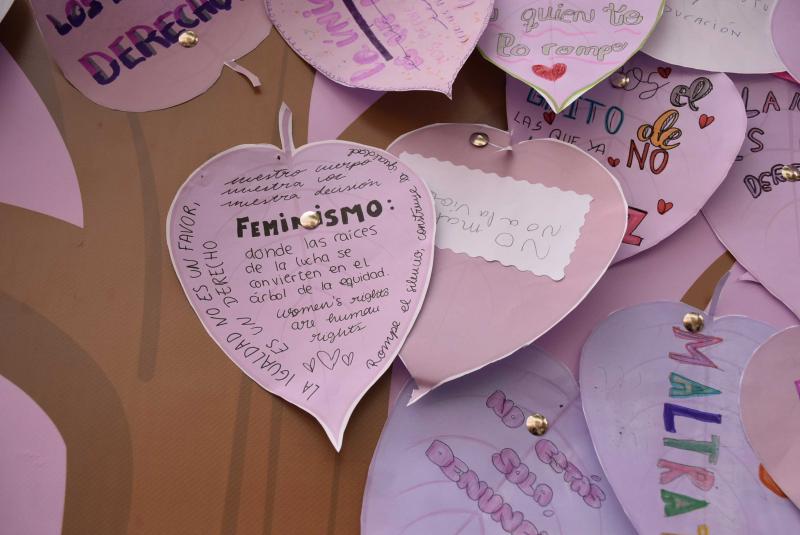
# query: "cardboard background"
{"type": "Point", "coordinates": [164, 434]}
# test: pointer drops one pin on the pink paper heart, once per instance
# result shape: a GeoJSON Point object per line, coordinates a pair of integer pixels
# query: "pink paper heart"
{"type": "Point", "coordinates": [754, 212]}
{"type": "Point", "coordinates": [662, 406]}
{"type": "Point", "coordinates": [571, 49]}
{"type": "Point", "coordinates": [785, 17]}
{"type": "Point", "coordinates": [510, 481]}
{"type": "Point", "coordinates": [127, 55]}
{"type": "Point", "coordinates": [479, 311]}
{"type": "Point", "coordinates": [771, 408]}
{"type": "Point", "coordinates": [383, 46]}
{"type": "Point", "coordinates": [280, 298]}
{"type": "Point", "coordinates": [608, 121]}
{"type": "Point", "coordinates": [47, 185]}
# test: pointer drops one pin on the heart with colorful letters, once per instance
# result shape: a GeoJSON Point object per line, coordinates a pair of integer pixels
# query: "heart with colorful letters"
{"type": "Point", "coordinates": [572, 49]}
{"type": "Point", "coordinates": [662, 406]}
{"type": "Point", "coordinates": [324, 250]}
{"type": "Point", "coordinates": [535, 224]}
{"type": "Point", "coordinates": [754, 212]}
{"type": "Point", "coordinates": [652, 135]}
{"type": "Point", "coordinates": [461, 460]}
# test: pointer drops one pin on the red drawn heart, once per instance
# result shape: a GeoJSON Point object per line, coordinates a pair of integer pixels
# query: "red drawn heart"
{"type": "Point", "coordinates": [550, 73]}
{"type": "Point", "coordinates": [613, 162]}
{"type": "Point", "coordinates": [705, 120]}
{"type": "Point", "coordinates": [664, 71]}
{"type": "Point", "coordinates": [664, 206]}
{"type": "Point", "coordinates": [549, 116]}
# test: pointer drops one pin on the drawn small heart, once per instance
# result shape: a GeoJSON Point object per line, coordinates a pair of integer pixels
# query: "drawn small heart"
{"type": "Point", "coordinates": [550, 73]}
{"type": "Point", "coordinates": [613, 162]}
{"type": "Point", "coordinates": [664, 206]}
{"type": "Point", "coordinates": [347, 358]}
{"type": "Point", "coordinates": [328, 360]}
{"type": "Point", "coordinates": [549, 116]}
{"type": "Point", "coordinates": [705, 120]}
{"type": "Point", "coordinates": [664, 71]}
{"type": "Point", "coordinates": [310, 365]}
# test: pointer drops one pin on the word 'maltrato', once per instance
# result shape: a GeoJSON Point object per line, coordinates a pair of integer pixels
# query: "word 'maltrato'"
{"type": "Point", "coordinates": [685, 388]}
{"type": "Point", "coordinates": [164, 31]}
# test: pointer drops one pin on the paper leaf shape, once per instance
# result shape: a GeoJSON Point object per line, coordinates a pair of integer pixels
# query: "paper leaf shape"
{"type": "Point", "coordinates": [785, 19]}
{"type": "Point", "coordinates": [313, 315]}
{"type": "Point", "coordinates": [716, 35]}
{"type": "Point", "coordinates": [462, 460]}
{"type": "Point", "coordinates": [652, 135]}
{"type": "Point", "coordinates": [334, 107]}
{"type": "Point", "coordinates": [743, 296]}
{"type": "Point", "coordinates": [754, 212]}
{"type": "Point", "coordinates": [126, 55]}
{"type": "Point", "coordinates": [563, 51]}
{"type": "Point", "coordinates": [386, 45]}
{"type": "Point", "coordinates": [491, 204]}
{"type": "Point", "coordinates": [771, 408]}
{"type": "Point", "coordinates": [33, 461]}
{"type": "Point", "coordinates": [37, 170]}
{"type": "Point", "coordinates": [662, 406]}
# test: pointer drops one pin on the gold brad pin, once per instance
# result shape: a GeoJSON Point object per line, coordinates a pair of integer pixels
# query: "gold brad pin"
{"type": "Point", "coordinates": [479, 139]}
{"type": "Point", "coordinates": [537, 424]}
{"type": "Point", "coordinates": [620, 80]}
{"type": "Point", "coordinates": [693, 322]}
{"type": "Point", "coordinates": [310, 220]}
{"type": "Point", "coordinates": [790, 173]}
{"type": "Point", "coordinates": [188, 39]}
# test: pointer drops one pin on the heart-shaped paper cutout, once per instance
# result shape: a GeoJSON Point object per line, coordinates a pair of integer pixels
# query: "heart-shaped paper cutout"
{"type": "Point", "coordinates": [662, 406]}
{"type": "Point", "coordinates": [314, 315]}
{"type": "Point", "coordinates": [742, 296]}
{"type": "Point", "coordinates": [127, 55]}
{"type": "Point", "coordinates": [497, 209]}
{"type": "Point", "coordinates": [785, 20]}
{"type": "Point", "coordinates": [754, 212]}
{"type": "Point", "coordinates": [715, 35]}
{"type": "Point", "coordinates": [33, 461]}
{"type": "Point", "coordinates": [45, 184]}
{"type": "Point", "coordinates": [650, 130]}
{"type": "Point", "coordinates": [770, 403]}
{"type": "Point", "coordinates": [462, 460]}
{"type": "Point", "coordinates": [384, 45]}
{"type": "Point", "coordinates": [562, 53]}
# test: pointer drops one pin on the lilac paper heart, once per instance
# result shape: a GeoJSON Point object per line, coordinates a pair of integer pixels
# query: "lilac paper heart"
{"type": "Point", "coordinates": [743, 296]}
{"type": "Point", "coordinates": [314, 315]}
{"type": "Point", "coordinates": [716, 35]}
{"type": "Point", "coordinates": [386, 45]}
{"type": "Point", "coordinates": [498, 211]}
{"type": "Point", "coordinates": [771, 408]}
{"type": "Point", "coordinates": [754, 212]}
{"type": "Point", "coordinates": [462, 460]}
{"type": "Point", "coordinates": [662, 406]}
{"type": "Point", "coordinates": [563, 52]}
{"type": "Point", "coordinates": [33, 461]}
{"type": "Point", "coordinates": [699, 122]}
{"type": "Point", "coordinates": [127, 55]}
{"type": "Point", "coordinates": [785, 19]}
{"type": "Point", "coordinates": [37, 170]}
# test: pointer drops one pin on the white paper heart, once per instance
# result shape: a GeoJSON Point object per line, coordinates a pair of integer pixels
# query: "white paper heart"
{"type": "Point", "coordinates": [461, 460]}
{"type": "Point", "coordinates": [662, 406]}
{"type": "Point", "coordinates": [314, 315]}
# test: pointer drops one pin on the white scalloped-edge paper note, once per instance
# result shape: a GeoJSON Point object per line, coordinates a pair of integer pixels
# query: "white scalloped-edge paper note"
{"type": "Point", "coordinates": [529, 226]}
